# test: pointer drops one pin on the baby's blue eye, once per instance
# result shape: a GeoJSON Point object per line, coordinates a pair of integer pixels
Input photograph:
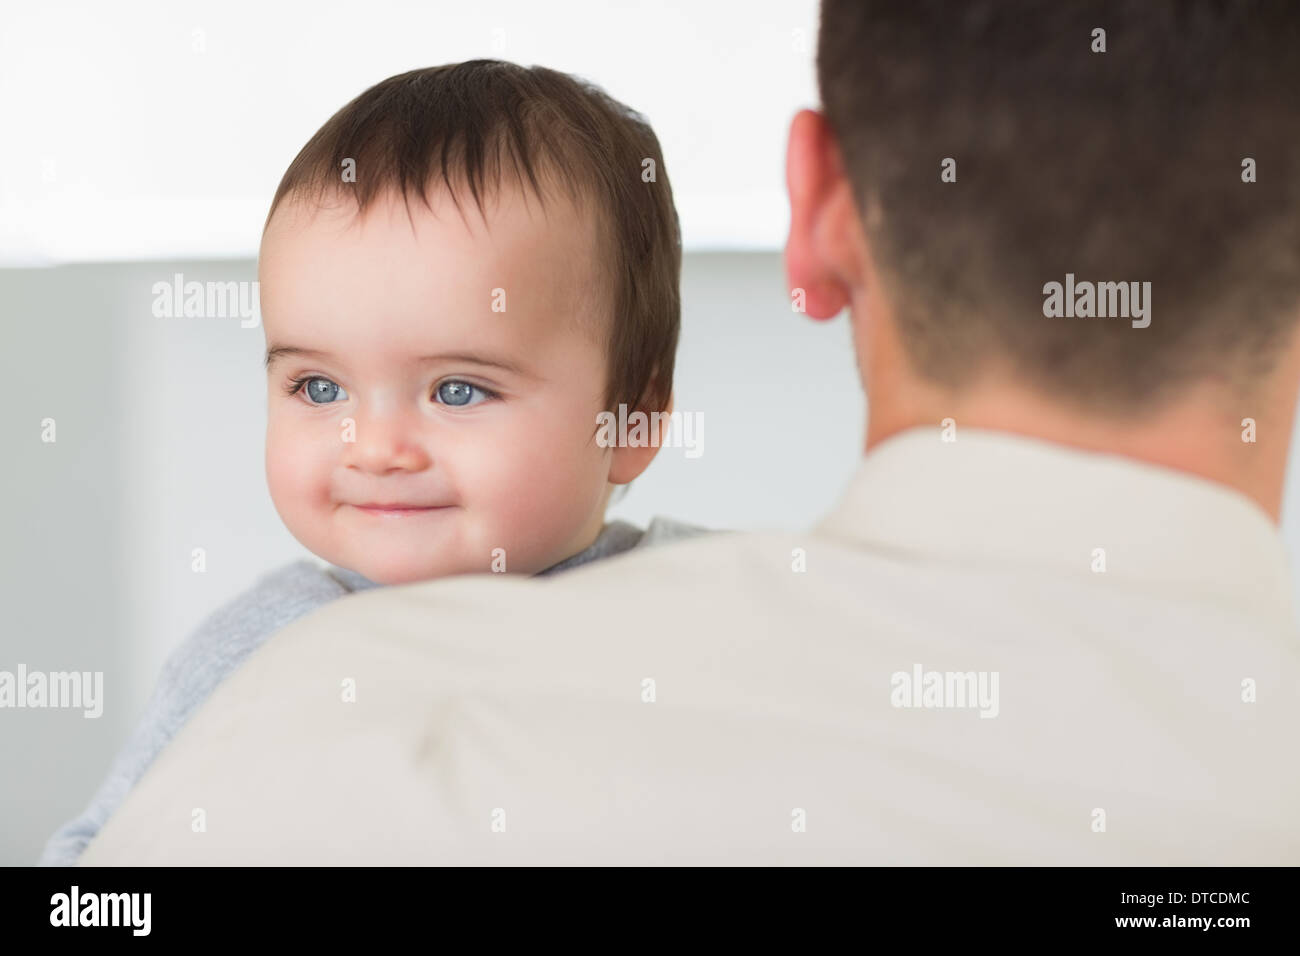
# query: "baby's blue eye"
{"type": "Point", "coordinates": [456, 392]}
{"type": "Point", "coordinates": [321, 391]}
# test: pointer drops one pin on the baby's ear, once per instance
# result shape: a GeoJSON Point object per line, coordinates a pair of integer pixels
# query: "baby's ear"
{"type": "Point", "coordinates": [633, 457]}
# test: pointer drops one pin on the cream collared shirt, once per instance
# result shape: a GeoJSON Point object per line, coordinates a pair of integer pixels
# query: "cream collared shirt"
{"type": "Point", "coordinates": [993, 651]}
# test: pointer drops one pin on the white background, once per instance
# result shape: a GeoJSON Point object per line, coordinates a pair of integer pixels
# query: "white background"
{"type": "Point", "coordinates": [160, 129]}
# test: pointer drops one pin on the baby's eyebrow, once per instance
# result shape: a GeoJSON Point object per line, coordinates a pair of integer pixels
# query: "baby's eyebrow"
{"type": "Point", "coordinates": [475, 358]}
{"type": "Point", "coordinates": [277, 352]}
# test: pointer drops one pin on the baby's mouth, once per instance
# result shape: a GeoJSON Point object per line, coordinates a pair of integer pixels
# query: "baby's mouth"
{"type": "Point", "coordinates": [398, 509]}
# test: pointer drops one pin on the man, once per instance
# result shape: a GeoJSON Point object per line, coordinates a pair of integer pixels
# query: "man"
{"type": "Point", "coordinates": [1049, 622]}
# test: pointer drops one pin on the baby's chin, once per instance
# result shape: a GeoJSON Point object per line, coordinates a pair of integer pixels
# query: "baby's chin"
{"type": "Point", "coordinates": [397, 550]}
{"type": "Point", "coordinates": [391, 569]}
{"type": "Point", "coordinates": [414, 550]}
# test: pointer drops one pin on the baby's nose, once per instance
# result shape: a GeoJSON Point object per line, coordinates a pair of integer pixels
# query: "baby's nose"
{"type": "Point", "coordinates": [383, 445]}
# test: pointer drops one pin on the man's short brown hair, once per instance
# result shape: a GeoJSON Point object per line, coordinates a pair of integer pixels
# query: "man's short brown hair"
{"type": "Point", "coordinates": [467, 125]}
{"type": "Point", "coordinates": [1123, 165]}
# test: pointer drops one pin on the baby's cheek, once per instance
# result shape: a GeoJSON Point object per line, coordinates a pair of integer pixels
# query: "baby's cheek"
{"type": "Point", "coordinates": [542, 496]}
{"type": "Point", "coordinates": [297, 476]}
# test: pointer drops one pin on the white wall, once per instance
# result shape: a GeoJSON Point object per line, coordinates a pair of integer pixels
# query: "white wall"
{"type": "Point", "coordinates": [157, 130]}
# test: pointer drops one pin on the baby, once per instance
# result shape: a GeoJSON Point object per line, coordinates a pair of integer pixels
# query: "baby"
{"type": "Point", "coordinates": [460, 271]}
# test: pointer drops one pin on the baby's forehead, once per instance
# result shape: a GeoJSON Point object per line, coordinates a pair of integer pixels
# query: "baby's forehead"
{"type": "Point", "coordinates": [519, 233]}
{"type": "Point", "coordinates": [399, 262]}
{"type": "Point", "coordinates": [554, 215]}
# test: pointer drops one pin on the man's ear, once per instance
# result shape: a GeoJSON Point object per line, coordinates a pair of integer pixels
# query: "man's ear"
{"type": "Point", "coordinates": [630, 461]}
{"type": "Point", "coordinates": [823, 250]}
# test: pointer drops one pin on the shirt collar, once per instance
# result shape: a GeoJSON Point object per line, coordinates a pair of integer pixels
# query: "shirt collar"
{"type": "Point", "coordinates": [997, 497]}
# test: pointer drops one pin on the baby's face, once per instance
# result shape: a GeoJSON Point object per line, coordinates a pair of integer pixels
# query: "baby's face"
{"type": "Point", "coordinates": [412, 429]}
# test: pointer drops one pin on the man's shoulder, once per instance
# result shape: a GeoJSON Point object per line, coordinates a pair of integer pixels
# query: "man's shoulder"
{"type": "Point", "coordinates": [677, 554]}
{"type": "Point", "coordinates": [699, 580]}
{"type": "Point", "coordinates": [869, 676]}
{"type": "Point", "coordinates": [671, 553]}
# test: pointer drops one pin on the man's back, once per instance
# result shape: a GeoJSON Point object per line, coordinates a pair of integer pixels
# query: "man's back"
{"type": "Point", "coordinates": [995, 650]}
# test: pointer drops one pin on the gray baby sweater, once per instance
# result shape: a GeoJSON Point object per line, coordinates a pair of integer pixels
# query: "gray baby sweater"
{"type": "Point", "coordinates": [228, 636]}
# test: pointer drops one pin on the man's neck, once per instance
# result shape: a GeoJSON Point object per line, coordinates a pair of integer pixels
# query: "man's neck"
{"type": "Point", "coordinates": [1202, 435]}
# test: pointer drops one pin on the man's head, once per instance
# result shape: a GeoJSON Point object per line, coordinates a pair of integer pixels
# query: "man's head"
{"type": "Point", "coordinates": [450, 355]}
{"type": "Point", "coordinates": [969, 155]}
